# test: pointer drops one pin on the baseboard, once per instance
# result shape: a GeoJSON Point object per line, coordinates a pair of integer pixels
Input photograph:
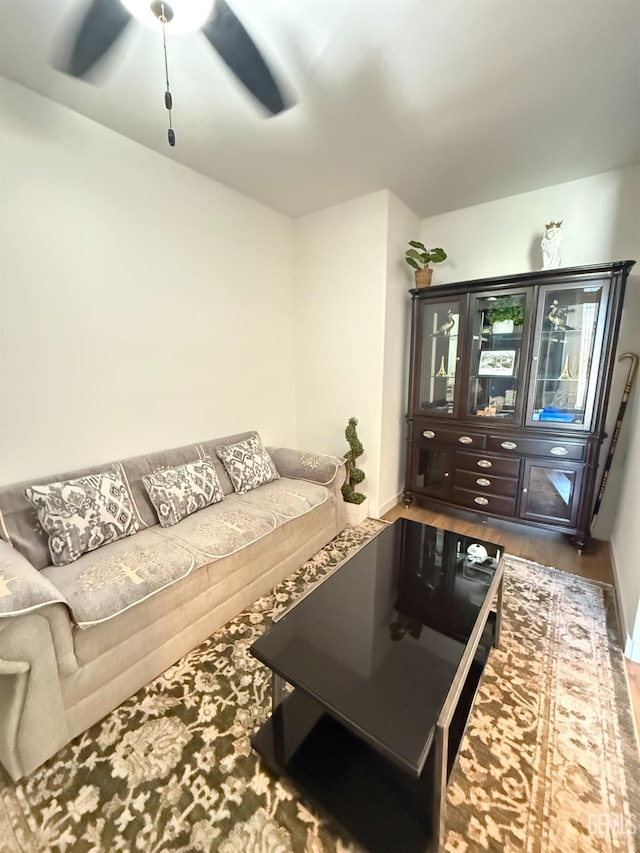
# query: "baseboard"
{"type": "Point", "coordinates": [390, 504]}
{"type": "Point", "coordinates": [631, 649]}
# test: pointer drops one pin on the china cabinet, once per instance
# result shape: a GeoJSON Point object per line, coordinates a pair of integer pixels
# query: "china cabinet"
{"type": "Point", "coordinates": [508, 391]}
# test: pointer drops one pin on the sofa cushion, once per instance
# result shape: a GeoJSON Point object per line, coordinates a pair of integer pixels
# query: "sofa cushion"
{"type": "Point", "coordinates": [179, 492]}
{"type": "Point", "coordinates": [248, 463]}
{"type": "Point", "coordinates": [223, 528]}
{"type": "Point", "coordinates": [83, 514]}
{"type": "Point", "coordinates": [102, 584]}
{"type": "Point", "coordinates": [138, 467]}
{"type": "Point", "coordinates": [287, 498]}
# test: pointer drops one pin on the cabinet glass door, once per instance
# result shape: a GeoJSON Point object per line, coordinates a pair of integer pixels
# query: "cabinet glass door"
{"type": "Point", "coordinates": [433, 471]}
{"type": "Point", "coordinates": [497, 359]}
{"type": "Point", "coordinates": [551, 492]}
{"type": "Point", "coordinates": [567, 354]}
{"type": "Point", "coordinates": [440, 324]}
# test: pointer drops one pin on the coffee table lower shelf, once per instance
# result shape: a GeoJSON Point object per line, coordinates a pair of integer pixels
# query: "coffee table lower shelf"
{"type": "Point", "coordinates": [378, 804]}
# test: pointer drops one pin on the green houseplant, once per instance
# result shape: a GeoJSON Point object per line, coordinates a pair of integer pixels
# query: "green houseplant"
{"type": "Point", "coordinates": [419, 257]}
{"type": "Point", "coordinates": [357, 505]}
{"type": "Point", "coordinates": [506, 310]}
{"type": "Point", "coordinates": [355, 475]}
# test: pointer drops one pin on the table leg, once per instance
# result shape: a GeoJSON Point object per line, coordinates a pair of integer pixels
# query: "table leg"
{"type": "Point", "coordinates": [496, 635]}
{"type": "Point", "coordinates": [277, 690]}
{"type": "Point", "coordinates": [439, 787]}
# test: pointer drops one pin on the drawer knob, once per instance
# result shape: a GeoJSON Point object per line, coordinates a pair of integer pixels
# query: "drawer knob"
{"type": "Point", "coordinates": [465, 439]}
{"type": "Point", "coordinates": [559, 451]}
{"type": "Point", "coordinates": [509, 445]}
{"type": "Point", "coordinates": [429, 433]}
{"type": "Point", "coordinates": [483, 463]}
{"type": "Point", "coordinates": [482, 481]}
{"type": "Point", "coordinates": [446, 473]}
{"type": "Point", "coordinates": [481, 501]}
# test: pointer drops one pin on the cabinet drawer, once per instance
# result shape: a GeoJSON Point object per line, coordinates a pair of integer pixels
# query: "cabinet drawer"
{"type": "Point", "coordinates": [498, 466]}
{"type": "Point", "coordinates": [482, 483]}
{"type": "Point", "coordinates": [459, 437]}
{"type": "Point", "coordinates": [536, 447]}
{"type": "Point", "coordinates": [483, 502]}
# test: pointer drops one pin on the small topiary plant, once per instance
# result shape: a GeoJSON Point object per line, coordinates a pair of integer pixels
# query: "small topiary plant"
{"type": "Point", "coordinates": [355, 475]}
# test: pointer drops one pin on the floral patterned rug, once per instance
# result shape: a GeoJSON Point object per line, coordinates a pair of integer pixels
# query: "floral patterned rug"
{"type": "Point", "coordinates": [549, 762]}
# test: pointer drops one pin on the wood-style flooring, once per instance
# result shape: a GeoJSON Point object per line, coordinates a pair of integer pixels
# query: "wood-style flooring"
{"type": "Point", "coordinates": [541, 546]}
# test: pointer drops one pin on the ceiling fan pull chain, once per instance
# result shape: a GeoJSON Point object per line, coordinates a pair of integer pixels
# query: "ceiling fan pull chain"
{"type": "Point", "coordinates": [168, 100]}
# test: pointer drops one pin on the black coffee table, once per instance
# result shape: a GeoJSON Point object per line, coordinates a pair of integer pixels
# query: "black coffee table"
{"type": "Point", "coordinates": [385, 655]}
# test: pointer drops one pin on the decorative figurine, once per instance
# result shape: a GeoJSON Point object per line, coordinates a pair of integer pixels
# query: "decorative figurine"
{"type": "Point", "coordinates": [551, 245]}
{"type": "Point", "coordinates": [558, 316]}
{"type": "Point", "coordinates": [442, 371]}
{"type": "Point", "coordinates": [566, 372]}
{"type": "Point", "coordinates": [445, 328]}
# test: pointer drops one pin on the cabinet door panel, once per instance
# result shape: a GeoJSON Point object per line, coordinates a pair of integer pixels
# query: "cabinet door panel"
{"type": "Point", "coordinates": [440, 325]}
{"type": "Point", "coordinates": [432, 471]}
{"type": "Point", "coordinates": [499, 326]}
{"type": "Point", "coordinates": [568, 344]}
{"type": "Point", "coordinates": [551, 492]}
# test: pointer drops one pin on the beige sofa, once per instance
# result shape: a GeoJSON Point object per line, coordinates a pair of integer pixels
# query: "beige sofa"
{"type": "Point", "coordinates": [74, 643]}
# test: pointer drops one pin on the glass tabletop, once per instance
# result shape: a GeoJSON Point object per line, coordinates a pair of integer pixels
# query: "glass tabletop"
{"type": "Point", "coordinates": [378, 642]}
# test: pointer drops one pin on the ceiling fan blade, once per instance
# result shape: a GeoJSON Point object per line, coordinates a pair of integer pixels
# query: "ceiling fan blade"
{"type": "Point", "coordinates": [230, 39]}
{"type": "Point", "coordinates": [102, 25]}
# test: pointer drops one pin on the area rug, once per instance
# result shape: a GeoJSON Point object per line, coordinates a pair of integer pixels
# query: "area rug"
{"type": "Point", "coordinates": [549, 762]}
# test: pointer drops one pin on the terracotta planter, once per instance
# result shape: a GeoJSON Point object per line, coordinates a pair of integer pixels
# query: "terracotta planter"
{"type": "Point", "coordinates": [423, 277]}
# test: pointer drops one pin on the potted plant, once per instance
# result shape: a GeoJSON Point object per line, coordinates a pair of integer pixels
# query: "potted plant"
{"type": "Point", "coordinates": [357, 505]}
{"type": "Point", "coordinates": [419, 257]}
{"type": "Point", "coordinates": [504, 314]}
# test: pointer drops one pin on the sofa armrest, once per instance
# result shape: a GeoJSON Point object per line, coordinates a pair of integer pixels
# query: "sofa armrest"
{"type": "Point", "coordinates": [35, 648]}
{"type": "Point", "coordinates": [22, 588]}
{"type": "Point", "coordinates": [300, 465]}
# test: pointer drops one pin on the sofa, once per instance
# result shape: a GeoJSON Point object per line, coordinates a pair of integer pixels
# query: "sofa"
{"type": "Point", "coordinates": [76, 640]}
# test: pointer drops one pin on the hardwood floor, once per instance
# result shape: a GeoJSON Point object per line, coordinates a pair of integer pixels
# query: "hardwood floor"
{"type": "Point", "coordinates": [542, 546]}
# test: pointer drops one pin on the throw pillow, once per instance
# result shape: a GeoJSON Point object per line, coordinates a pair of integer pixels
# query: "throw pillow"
{"type": "Point", "coordinates": [248, 464]}
{"type": "Point", "coordinates": [178, 492]}
{"type": "Point", "coordinates": [84, 514]}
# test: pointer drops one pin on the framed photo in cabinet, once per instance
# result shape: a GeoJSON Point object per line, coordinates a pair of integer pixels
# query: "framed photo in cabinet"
{"type": "Point", "coordinates": [498, 362]}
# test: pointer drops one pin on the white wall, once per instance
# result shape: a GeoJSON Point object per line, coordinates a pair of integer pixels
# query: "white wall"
{"type": "Point", "coordinates": [601, 217]}
{"type": "Point", "coordinates": [142, 306]}
{"type": "Point", "coordinates": [624, 540]}
{"type": "Point", "coordinates": [403, 225]}
{"type": "Point", "coordinates": [352, 313]}
{"type": "Point", "coordinates": [340, 275]}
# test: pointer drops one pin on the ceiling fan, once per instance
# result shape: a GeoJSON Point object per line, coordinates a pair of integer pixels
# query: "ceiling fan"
{"type": "Point", "coordinates": [105, 21]}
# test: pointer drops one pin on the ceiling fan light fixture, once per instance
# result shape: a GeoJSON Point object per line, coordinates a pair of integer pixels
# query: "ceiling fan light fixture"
{"type": "Point", "coordinates": [188, 15]}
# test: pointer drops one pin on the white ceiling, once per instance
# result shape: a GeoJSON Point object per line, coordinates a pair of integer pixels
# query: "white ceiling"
{"type": "Point", "coordinates": [448, 103]}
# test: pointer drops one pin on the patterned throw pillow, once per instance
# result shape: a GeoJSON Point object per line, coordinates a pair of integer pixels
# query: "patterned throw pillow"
{"type": "Point", "coordinates": [84, 514]}
{"type": "Point", "coordinates": [248, 464]}
{"type": "Point", "coordinates": [177, 492]}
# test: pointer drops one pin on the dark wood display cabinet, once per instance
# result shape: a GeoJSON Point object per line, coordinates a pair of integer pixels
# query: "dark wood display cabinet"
{"type": "Point", "coordinates": [508, 391]}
